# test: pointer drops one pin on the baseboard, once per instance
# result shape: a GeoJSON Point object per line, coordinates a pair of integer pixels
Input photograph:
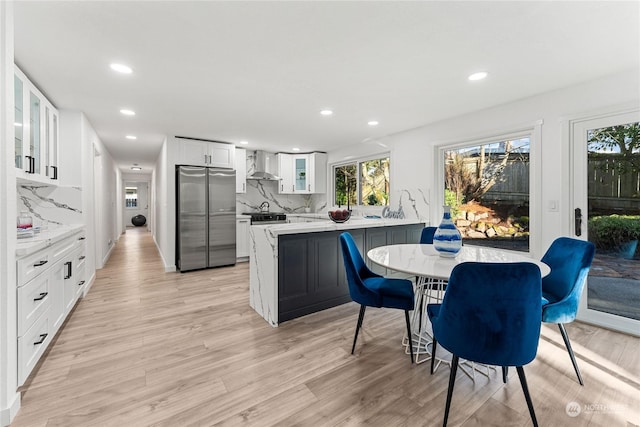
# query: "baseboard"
{"type": "Point", "coordinates": [108, 255]}
{"type": "Point", "coordinates": [168, 268]}
{"type": "Point", "coordinates": [89, 284]}
{"type": "Point", "coordinates": [7, 414]}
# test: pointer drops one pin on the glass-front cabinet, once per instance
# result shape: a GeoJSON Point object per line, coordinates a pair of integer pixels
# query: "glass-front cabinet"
{"type": "Point", "coordinates": [302, 173]}
{"type": "Point", "coordinates": [18, 120]}
{"type": "Point", "coordinates": [36, 133]}
{"type": "Point", "coordinates": [300, 169]}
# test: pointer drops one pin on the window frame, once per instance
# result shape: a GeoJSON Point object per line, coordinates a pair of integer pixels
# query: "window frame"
{"type": "Point", "coordinates": [533, 132]}
{"type": "Point", "coordinates": [357, 161]}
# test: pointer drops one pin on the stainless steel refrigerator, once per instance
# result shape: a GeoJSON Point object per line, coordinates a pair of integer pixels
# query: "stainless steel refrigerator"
{"type": "Point", "coordinates": [205, 217]}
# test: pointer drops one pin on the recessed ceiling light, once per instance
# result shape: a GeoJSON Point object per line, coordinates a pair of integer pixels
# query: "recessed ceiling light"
{"type": "Point", "coordinates": [373, 123]}
{"type": "Point", "coordinates": [295, 149]}
{"type": "Point", "coordinates": [244, 142]}
{"type": "Point", "coordinates": [121, 68]}
{"type": "Point", "coordinates": [136, 168]}
{"type": "Point", "coordinates": [128, 112]}
{"type": "Point", "coordinates": [131, 137]}
{"type": "Point", "coordinates": [326, 112]}
{"type": "Point", "coordinates": [478, 76]}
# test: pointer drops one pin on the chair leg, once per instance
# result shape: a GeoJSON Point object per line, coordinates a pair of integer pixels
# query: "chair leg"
{"type": "Point", "coordinates": [565, 337]}
{"type": "Point", "coordinates": [527, 396]}
{"type": "Point", "coordinates": [434, 344]}
{"type": "Point", "coordinates": [505, 373]}
{"type": "Point", "coordinates": [406, 318]}
{"type": "Point", "coordinates": [360, 318]}
{"type": "Point", "coordinates": [452, 381]}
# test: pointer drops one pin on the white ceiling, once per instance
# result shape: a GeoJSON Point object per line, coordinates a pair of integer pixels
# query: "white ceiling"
{"type": "Point", "coordinates": [262, 71]}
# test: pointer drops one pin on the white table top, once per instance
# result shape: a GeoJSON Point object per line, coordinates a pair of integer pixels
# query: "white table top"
{"type": "Point", "coordinates": [424, 260]}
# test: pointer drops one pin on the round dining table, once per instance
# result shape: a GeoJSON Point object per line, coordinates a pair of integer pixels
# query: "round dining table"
{"type": "Point", "coordinates": [432, 272]}
{"type": "Point", "coordinates": [424, 261]}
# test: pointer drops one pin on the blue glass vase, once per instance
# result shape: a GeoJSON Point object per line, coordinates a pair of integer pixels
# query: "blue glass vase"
{"type": "Point", "coordinates": [447, 240]}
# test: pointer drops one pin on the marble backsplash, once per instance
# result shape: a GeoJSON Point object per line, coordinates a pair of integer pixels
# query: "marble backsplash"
{"type": "Point", "coordinates": [414, 202]}
{"type": "Point", "coordinates": [50, 206]}
{"type": "Point", "coordinates": [259, 191]}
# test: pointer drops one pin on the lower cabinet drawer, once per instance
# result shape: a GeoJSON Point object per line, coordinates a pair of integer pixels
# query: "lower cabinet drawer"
{"type": "Point", "coordinates": [32, 344]}
{"type": "Point", "coordinates": [32, 265]}
{"type": "Point", "coordinates": [33, 300]}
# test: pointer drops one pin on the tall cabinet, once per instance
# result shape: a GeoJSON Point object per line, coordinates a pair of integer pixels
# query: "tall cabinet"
{"type": "Point", "coordinates": [36, 132]}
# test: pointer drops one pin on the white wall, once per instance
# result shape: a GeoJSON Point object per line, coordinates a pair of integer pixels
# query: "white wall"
{"type": "Point", "coordinates": [164, 228]}
{"type": "Point", "coordinates": [414, 150]}
{"type": "Point", "coordinates": [9, 398]}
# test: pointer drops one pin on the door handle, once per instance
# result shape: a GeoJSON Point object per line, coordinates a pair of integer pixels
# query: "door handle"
{"type": "Point", "coordinates": [578, 221]}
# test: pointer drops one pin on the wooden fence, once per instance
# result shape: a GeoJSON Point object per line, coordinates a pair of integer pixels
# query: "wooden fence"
{"type": "Point", "coordinates": [609, 189]}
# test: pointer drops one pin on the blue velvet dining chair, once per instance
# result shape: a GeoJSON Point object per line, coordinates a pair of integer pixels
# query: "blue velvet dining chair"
{"type": "Point", "coordinates": [570, 261]}
{"type": "Point", "coordinates": [490, 314]}
{"type": "Point", "coordinates": [372, 290]}
{"type": "Point", "coordinates": [426, 237]}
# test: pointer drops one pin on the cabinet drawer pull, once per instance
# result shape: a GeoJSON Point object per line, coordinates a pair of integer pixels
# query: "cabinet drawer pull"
{"type": "Point", "coordinates": [55, 172]}
{"type": "Point", "coordinates": [40, 264]}
{"type": "Point", "coordinates": [81, 283]}
{"type": "Point", "coordinates": [81, 238]}
{"type": "Point", "coordinates": [81, 258]}
{"type": "Point", "coordinates": [42, 338]}
{"type": "Point", "coordinates": [68, 275]}
{"type": "Point", "coordinates": [41, 297]}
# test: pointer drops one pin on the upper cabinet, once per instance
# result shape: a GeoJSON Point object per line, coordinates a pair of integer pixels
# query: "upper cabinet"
{"type": "Point", "coordinates": [195, 152]}
{"type": "Point", "coordinates": [36, 133]}
{"type": "Point", "coordinates": [241, 170]}
{"type": "Point", "coordinates": [302, 173]}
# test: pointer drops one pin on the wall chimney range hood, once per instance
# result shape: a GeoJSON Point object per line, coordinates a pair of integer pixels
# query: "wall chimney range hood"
{"type": "Point", "coordinates": [263, 166]}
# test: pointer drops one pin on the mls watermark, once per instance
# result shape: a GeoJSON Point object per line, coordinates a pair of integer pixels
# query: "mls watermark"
{"type": "Point", "coordinates": [573, 409]}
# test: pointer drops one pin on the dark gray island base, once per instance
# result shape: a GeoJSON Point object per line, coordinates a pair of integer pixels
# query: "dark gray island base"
{"type": "Point", "coordinates": [311, 275]}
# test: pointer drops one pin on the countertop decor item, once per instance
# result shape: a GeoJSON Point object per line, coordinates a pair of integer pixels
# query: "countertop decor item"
{"type": "Point", "coordinates": [340, 216]}
{"type": "Point", "coordinates": [25, 220]}
{"type": "Point", "coordinates": [447, 239]}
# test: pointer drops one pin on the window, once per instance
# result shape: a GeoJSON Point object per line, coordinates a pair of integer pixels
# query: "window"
{"type": "Point", "coordinates": [131, 197]}
{"type": "Point", "coordinates": [364, 182]}
{"type": "Point", "coordinates": [487, 187]}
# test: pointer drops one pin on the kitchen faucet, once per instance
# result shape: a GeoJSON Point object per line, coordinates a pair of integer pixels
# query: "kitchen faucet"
{"type": "Point", "coordinates": [264, 207]}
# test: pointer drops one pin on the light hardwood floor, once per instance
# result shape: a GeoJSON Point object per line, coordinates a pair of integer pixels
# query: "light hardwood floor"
{"type": "Point", "coordinates": [152, 348]}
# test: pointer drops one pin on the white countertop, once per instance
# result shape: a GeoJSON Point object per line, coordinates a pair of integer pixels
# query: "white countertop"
{"type": "Point", "coordinates": [424, 260]}
{"type": "Point", "coordinates": [320, 226]}
{"type": "Point", "coordinates": [45, 239]}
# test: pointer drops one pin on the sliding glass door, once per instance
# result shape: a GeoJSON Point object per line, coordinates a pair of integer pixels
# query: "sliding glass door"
{"type": "Point", "coordinates": [606, 209]}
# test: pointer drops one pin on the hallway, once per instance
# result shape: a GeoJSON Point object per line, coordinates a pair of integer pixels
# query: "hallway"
{"type": "Point", "coordinates": [152, 348]}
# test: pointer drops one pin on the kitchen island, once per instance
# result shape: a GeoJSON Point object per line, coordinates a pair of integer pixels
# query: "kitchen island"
{"type": "Point", "coordinates": [297, 269]}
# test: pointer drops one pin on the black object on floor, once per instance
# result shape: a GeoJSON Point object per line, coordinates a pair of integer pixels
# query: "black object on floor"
{"type": "Point", "coordinates": [139, 220]}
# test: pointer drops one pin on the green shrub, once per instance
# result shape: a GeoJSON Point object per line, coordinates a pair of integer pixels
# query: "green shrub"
{"type": "Point", "coordinates": [609, 232]}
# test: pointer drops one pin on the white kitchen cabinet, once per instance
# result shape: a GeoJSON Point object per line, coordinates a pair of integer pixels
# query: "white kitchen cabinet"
{"type": "Point", "coordinates": [195, 152]}
{"type": "Point", "coordinates": [303, 173]}
{"type": "Point", "coordinates": [242, 238]}
{"type": "Point", "coordinates": [285, 172]}
{"type": "Point", "coordinates": [47, 289]}
{"type": "Point", "coordinates": [36, 133]}
{"type": "Point", "coordinates": [241, 170]}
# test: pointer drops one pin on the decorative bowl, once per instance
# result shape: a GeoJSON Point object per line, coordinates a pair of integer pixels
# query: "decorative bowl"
{"type": "Point", "coordinates": [340, 216]}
